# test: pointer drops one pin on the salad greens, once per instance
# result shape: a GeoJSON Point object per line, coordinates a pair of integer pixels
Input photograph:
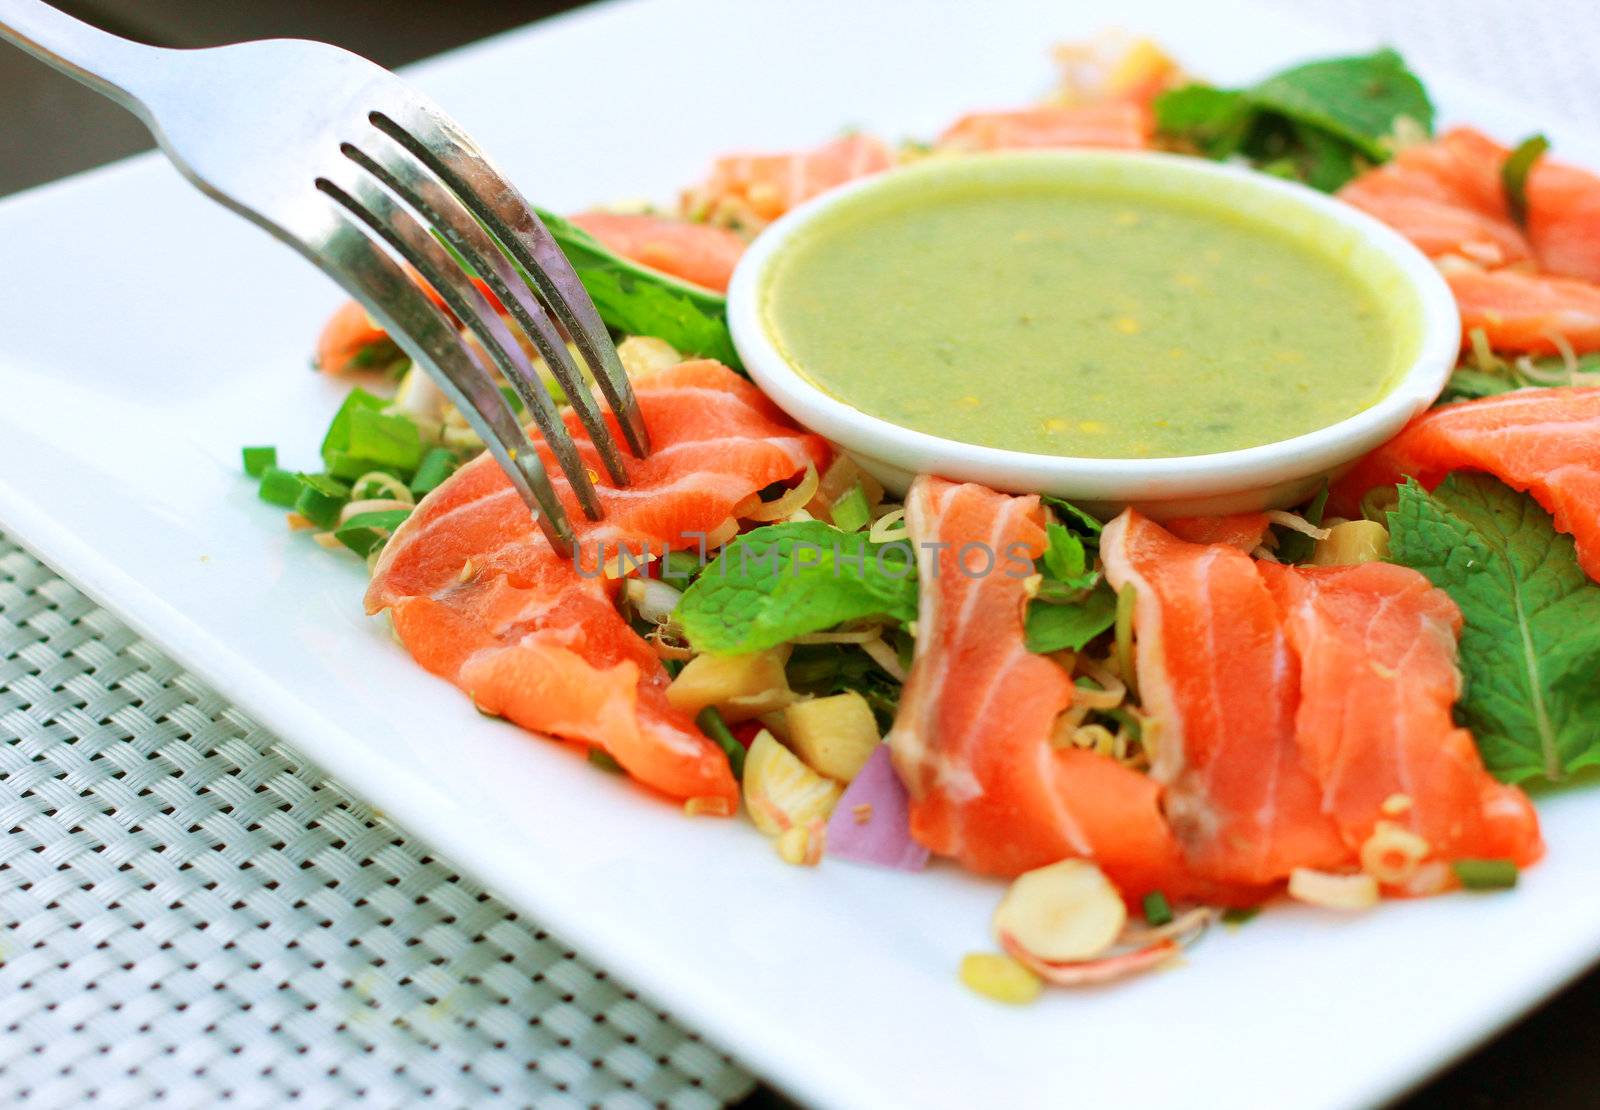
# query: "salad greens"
{"type": "Point", "coordinates": [1530, 649]}
{"type": "Point", "coordinates": [1514, 174]}
{"type": "Point", "coordinates": [1317, 123]}
{"type": "Point", "coordinates": [785, 580]}
{"type": "Point", "coordinates": [1069, 626]}
{"type": "Point", "coordinates": [637, 300]}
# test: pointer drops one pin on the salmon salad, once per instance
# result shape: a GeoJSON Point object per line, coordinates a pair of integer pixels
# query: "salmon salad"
{"type": "Point", "coordinates": [1139, 728]}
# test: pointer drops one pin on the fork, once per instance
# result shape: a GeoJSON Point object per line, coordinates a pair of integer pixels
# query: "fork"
{"type": "Point", "coordinates": [339, 158]}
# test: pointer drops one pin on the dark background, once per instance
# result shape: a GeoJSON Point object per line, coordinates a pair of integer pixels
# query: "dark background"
{"type": "Point", "coordinates": [51, 126]}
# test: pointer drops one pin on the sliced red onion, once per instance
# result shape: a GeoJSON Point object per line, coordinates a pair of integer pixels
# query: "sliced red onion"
{"type": "Point", "coordinates": [872, 822]}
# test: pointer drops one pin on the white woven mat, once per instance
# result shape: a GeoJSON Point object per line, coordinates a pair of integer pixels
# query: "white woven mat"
{"type": "Point", "coordinates": [190, 913]}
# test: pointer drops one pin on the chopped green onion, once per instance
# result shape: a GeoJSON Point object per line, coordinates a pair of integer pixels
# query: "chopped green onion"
{"type": "Point", "coordinates": [1485, 874]}
{"type": "Point", "coordinates": [320, 499]}
{"type": "Point", "coordinates": [513, 398]}
{"type": "Point", "coordinates": [366, 532]}
{"type": "Point", "coordinates": [257, 459]}
{"type": "Point", "coordinates": [279, 487]}
{"type": "Point", "coordinates": [338, 435]}
{"type": "Point", "coordinates": [1296, 547]}
{"type": "Point", "coordinates": [1240, 914]}
{"type": "Point", "coordinates": [1514, 175]}
{"type": "Point", "coordinates": [384, 439]}
{"type": "Point", "coordinates": [1157, 911]}
{"type": "Point", "coordinates": [437, 465]}
{"type": "Point", "coordinates": [604, 760]}
{"type": "Point", "coordinates": [850, 512]}
{"type": "Point", "coordinates": [712, 724]}
{"type": "Point", "coordinates": [680, 566]}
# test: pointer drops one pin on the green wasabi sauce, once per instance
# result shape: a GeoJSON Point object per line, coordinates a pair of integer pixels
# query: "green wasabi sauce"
{"type": "Point", "coordinates": [1066, 317]}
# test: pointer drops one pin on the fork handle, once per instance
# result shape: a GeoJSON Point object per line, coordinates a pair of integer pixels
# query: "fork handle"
{"type": "Point", "coordinates": [108, 64]}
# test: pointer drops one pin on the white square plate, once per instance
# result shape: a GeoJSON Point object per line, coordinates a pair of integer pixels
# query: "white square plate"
{"type": "Point", "coordinates": [145, 334]}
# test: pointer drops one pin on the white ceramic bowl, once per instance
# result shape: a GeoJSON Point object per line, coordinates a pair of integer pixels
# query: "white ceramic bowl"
{"type": "Point", "coordinates": [1271, 475]}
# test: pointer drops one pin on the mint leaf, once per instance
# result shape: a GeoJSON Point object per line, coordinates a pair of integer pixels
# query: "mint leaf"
{"type": "Point", "coordinates": [1355, 99]}
{"type": "Point", "coordinates": [1530, 649]}
{"type": "Point", "coordinates": [1067, 627]}
{"type": "Point", "coordinates": [637, 300]}
{"type": "Point", "coordinates": [785, 580]}
{"type": "Point", "coordinates": [1064, 558]}
{"type": "Point", "coordinates": [1315, 123]}
{"type": "Point", "coordinates": [1088, 525]}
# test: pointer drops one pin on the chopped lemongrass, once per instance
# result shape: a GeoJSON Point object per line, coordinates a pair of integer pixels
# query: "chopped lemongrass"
{"type": "Point", "coordinates": [258, 459]}
{"type": "Point", "coordinates": [279, 487]}
{"type": "Point", "coordinates": [1485, 874]}
{"type": "Point", "coordinates": [889, 528]}
{"type": "Point", "coordinates": [1393, 854]}
{"type": "Point", "coordinates": [1297, 523]}
{"type": "Point", "coordinates": [437, 465]}
{"type": "Point", "coordinates": [604, 760]}
{"type": "Point", "coordinates": [851, 512]}
{"type": "Point", "coordinates": [886, 657]}
{"type": "Point", "coordinates": [712, 724]}
{"type": "Point", "coordinates": [1331, 891]}
{"type": "Point", "coordinates": [377, 485]}
{"type": "Point", "coordinates": [1000, 977]}
{"type": "Point", "coordinates": [791, 500]}
{"type": "Point", "coordinates": [653, 599]}
{"type": "Point", "coordinates": [1066, 911]}
{"type": "Point", "coordinates": [1157, 910]}
{"type": "Point", "coordinates": [366, 532]}
{"type": "Point", "coordinates": [1127, 597]}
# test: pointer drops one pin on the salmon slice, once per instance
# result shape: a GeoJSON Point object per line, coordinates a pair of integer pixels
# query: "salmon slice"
{"type": "Point", "coordinates": [1446, 197]}
{"type": "Point", "coordinates": [698, 253]}
{"type": "Point", "coordinates": [1376, 646]}
{"type": "Point", "coordinates": [1525, 312]}
{"type": "Point", "coordinates": [1218, 684]}
{"type": "Point", "coordinates": [747, 191]}
{"type": "Point", "coordinates": [971, 738]}
{"type": "Point", "coordinates": [478, 596]}
{"type": "Point", "coordinates": [1564, 219]}
{"type": "Point", "coordinates": [1244, 531]}
{"type": "Point", "coordinates": [1117, 124]}
{"type": "Point", "coordinates": [1545, 442]}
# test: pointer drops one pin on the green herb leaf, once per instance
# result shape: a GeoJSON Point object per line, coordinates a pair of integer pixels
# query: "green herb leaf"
{"type": "Point", "coordinates": [1064, 557]}
{"type": "Point", "coordinates": [775, 583]}
{"type": "Point", "coordinates": [1067, 627]}
{"type": "Point", "coordinates": [640, 301]}
{"type": "Point", "coordinates": [1530, 649]}
{"type": "Point", "coordinates": [1088, 525]}
{"type": "Point", "coordinates": [337, 438]}
{"type": "Point", "coordinates": [1356, 99]}
{"type": "Point", "coordinates": [823, 669]}
{"type": "Point", "coordinates": [1315, 123]}
{"type": "Point", "coordinates": [1514, 175]}
{"type": "Point", "coordinates": [1467, 385]}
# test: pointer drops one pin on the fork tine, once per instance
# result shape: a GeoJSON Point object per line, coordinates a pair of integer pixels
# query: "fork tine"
{"type": "Point", "coordinates": [368, 202]}
{"type": "Point", "coordinates": [336, 243]}
{"type": "Point", "coordinates": [404, 176]}
{"type": "Point", "coordinates": [445, 149]}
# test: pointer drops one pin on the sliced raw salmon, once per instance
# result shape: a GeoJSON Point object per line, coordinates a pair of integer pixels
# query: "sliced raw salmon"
{"type": "Point", "coordinates": [747, 191]}
{"type": "Point", "coordinates": [1218, 683]}
{"type": "Point", "coordinates": [1244, 531]}
{"type": "Point", "coordinates": [1117, 124]}
{"type": "Point", "coordinates": [1564, 219]}
{"type": "Point", "coordinates": [971, 739]}
{"type": "Point", "coordinates": [479, 597]}
{"type": "Point", "coordinates": [1525, 312]}
{"type": "Point", "coordinates": [698, 253]}
{"type": "Point", "coordinates": [1542, 441]}
{"type": "Point", "coordinates": [1446, 197]}
{"type": "Point", "coordinates": [352, 340]}
{"type": "Point", "coordinates": [1376, 649]}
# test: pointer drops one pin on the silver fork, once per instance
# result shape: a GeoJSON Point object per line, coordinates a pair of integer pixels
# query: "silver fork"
{"type": "Point", "coordinates": [340, 159]}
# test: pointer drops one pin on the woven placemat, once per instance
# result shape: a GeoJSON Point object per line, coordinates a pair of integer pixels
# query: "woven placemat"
{"type": "Point", "coordinates": [190, 913]}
